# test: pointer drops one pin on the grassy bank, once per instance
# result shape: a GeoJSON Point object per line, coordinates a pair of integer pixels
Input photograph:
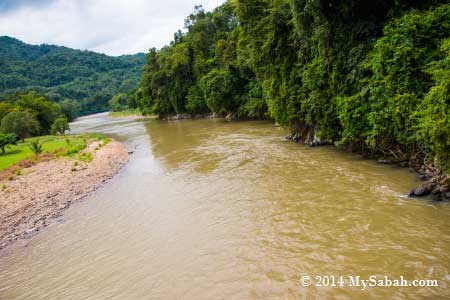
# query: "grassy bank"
{"type": "Point", "coordinates": [52, 146]}
{"type": "Point", "coordinates": [126, 113]}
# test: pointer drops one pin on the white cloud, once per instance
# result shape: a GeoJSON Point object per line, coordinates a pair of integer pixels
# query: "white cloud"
{"type": "Point", "coordinates": [109, 26]}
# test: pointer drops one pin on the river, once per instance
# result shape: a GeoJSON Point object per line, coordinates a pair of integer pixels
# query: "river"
{"type": "Point", "coordinates": [208, 209]}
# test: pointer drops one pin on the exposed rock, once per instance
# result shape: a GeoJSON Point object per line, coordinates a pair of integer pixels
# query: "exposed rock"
{"type": "Point", "coordinates": [393, 161]}
{"type": "Point", "coordinates": [230, 117]}
{"type": "Point", "coordinates": [404, 164]}
{"type": "Point", "coordinates": [386, 161]}
{"type": "Point", "coordinates": [311, 140]}
{"type": "Point", "coordinates": [422, 190]}
{"type": "Point", "coordinates": [178, 117]}
{"type": "Point", "coordinates": [434, 187]}
{"type": "Point", "coordinates": [436, 191]}
{"type": "Point", "coordinates": [295, 137]}
{"type": "Point", "coordinates": [189, 116]}
{"type": "Point", "coordinates": [423, 177]}
{"type": "Point", "coordinates": [317, 141]}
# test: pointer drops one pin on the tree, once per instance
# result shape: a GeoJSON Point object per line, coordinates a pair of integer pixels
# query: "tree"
{"type": "Point", "coordinates": [60, 126]}
{"type": "Point", "coordinates": [61, 72]}
{"type": "Point", "coordinates": [5, 108]}
{"type": "Point", "coordinates": [45, 111]}
{"type": "Point", "coordinates": [118, 102]}
{"type": "Point", "coordinates": [370, 75]}
{"type": "Point", "coordinates": [131, 99]}
{"type": "Point", "coordinates": [195, 101]}
{"type": "Point", "coordinates": [7, 139]}
{"type": "Point", "coordinates": [216, 86]}
{"type": "Point", "coordinates": [70, 108]}
{"type": "Point", "coordinates": [434, 113]}
{"type": "Point", "coordinates": [22, 123]}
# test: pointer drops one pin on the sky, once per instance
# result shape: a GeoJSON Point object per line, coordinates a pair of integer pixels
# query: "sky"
{"type": "Point", "coordinates": [113, 27]}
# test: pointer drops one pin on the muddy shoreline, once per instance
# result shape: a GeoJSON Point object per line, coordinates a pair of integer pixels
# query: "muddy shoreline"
{"type": "Point", "coordinates": [33, 200]}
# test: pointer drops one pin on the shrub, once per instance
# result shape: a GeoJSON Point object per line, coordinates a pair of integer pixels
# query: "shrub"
{"type": "Point", "coordinates": [36, 147]}
{"type": "Point", "coordinates": [22, 123]}
{"type": "Point", "coordinates": [7, 139]}
{"type": "Point", "coordinates": [60, 126]}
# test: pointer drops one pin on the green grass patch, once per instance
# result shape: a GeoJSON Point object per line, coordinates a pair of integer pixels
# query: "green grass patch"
{"type": "Point", "coordinates": [69, 145]}
{"type": "Point", "coordinates": [126, 113]}
{"type": "Point", "coordinates": [85, 156]}
{"type": "Point", "coordinates": [99, 137]}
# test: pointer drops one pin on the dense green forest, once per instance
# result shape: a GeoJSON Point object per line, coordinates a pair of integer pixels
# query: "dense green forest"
{"type": "Point", "coordinates": [373, 76]}
{"type": "Point", "coordinates": [33, 114]}
{"type": "Point", "coordinates": [59, 73]}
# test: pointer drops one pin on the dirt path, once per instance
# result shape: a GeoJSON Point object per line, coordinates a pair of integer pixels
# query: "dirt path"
{"type": "Point", "coordinates": [30, 201]}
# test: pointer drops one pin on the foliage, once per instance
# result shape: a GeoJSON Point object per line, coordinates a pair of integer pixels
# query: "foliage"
{"type": "Point", "coordinates": [370, 75]}
{"type": "Point", "coordinates": [7, 139]}
{"type": "Point", "coordinates": [216, 86]}
{"type": "Point", "coordinates": [400, 106]}
{"type": "Point", "coordinates": [434, 112]}
{"type": "Point", "coordinates": [85, 156]}
{"type": "Point", "coordinates": [119, 102]}
{"type": "Point", "coordinates": [68, 146]}
{"type": "Point", "coordinates": [132, 99]}
{"type": "Point", "coordinates": [199, 71]}
{"type": "Point", "coordinates": [60, 126]}
{"type": "Point", "coordinates": [36, 147]}
{"type": "Point", "coordinates": [126, 113]}
{"type": "Point", "coordinates": [195, 100]}
{"type": "Point", "coordinates": [89, 78]}
{"type": "Point", "coordinates": [21, 123]}
{"type": "Point", "coordinates": [70, 108]}
{"type": "Point", "coordinates": [45, 111]}
{"type": "Point", "coordinates": [5, 108]}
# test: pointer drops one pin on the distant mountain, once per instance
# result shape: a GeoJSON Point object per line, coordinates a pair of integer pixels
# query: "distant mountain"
{"type": "Point", "coordinates": [60, 72]}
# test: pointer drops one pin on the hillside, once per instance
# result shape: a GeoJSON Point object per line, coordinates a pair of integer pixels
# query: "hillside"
{"type": "Point", "coordinates": [60, 72]}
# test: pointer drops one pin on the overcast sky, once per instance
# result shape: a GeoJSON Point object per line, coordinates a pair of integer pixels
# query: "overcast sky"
{"type": "Point", "coordinates": [113, 27]}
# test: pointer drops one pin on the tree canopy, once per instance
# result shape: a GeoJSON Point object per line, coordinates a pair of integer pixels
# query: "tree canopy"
{"type": "Point", "coordinates": [5, 140]}
{"type": "Point", "coordinates": [370, 75]}
{"type": "Point", "coordinates": [20, 123]}
{"type": "Point", "coordinates": [60, 126]}
{"type": "Point", "coordinates": [60, 73]}
{"type": "Point", "coordinates": [41, 116]}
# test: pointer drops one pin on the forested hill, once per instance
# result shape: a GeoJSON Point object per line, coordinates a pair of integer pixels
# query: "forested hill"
{"type": "Point", "coordinates": [370, 75]}
{"type": "Point", "coordinates": [60, 72]}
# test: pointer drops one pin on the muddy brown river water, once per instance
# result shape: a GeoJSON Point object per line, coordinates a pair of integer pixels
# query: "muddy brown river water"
{"type": "Point", "coordinates": [208, 209]}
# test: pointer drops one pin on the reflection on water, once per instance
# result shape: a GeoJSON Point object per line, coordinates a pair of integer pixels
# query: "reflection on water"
{"type": "Point", "coordinates": [213, 210]}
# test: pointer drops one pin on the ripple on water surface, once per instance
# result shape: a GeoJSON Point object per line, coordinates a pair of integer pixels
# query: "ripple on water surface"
{"type": "Point", "coordinates": [216, 210]}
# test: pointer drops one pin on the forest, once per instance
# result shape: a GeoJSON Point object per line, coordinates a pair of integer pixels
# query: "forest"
{"type": "Point", "coordinates": [60, 73]}
{"type": "Point", "coordinates": [370, 76]}
{"type": "Point", "coordinates": [32, 114]}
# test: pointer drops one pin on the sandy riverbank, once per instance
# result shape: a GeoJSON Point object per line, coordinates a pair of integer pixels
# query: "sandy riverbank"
{"type": "Point", "coordinates": [30, 201]}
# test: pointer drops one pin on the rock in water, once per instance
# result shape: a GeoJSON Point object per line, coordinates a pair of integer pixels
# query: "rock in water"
{"type": "Point", "coordinates": [423, 190]}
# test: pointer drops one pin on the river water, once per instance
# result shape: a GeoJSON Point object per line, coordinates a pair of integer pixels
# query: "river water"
{"type": "Point", "coordinates": [208, 209]}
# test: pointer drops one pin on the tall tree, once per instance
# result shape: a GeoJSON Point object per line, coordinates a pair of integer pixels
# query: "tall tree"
{"type": "Point", "coordinates": [21, 123]}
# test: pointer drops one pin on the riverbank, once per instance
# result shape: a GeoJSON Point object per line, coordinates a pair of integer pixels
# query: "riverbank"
{"type": "Point", "coordinates": [41, 193]}
{"type": "Point", "coordinates": [131, 114]}
{"type": "Point", "coordinates": [435, 182]}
